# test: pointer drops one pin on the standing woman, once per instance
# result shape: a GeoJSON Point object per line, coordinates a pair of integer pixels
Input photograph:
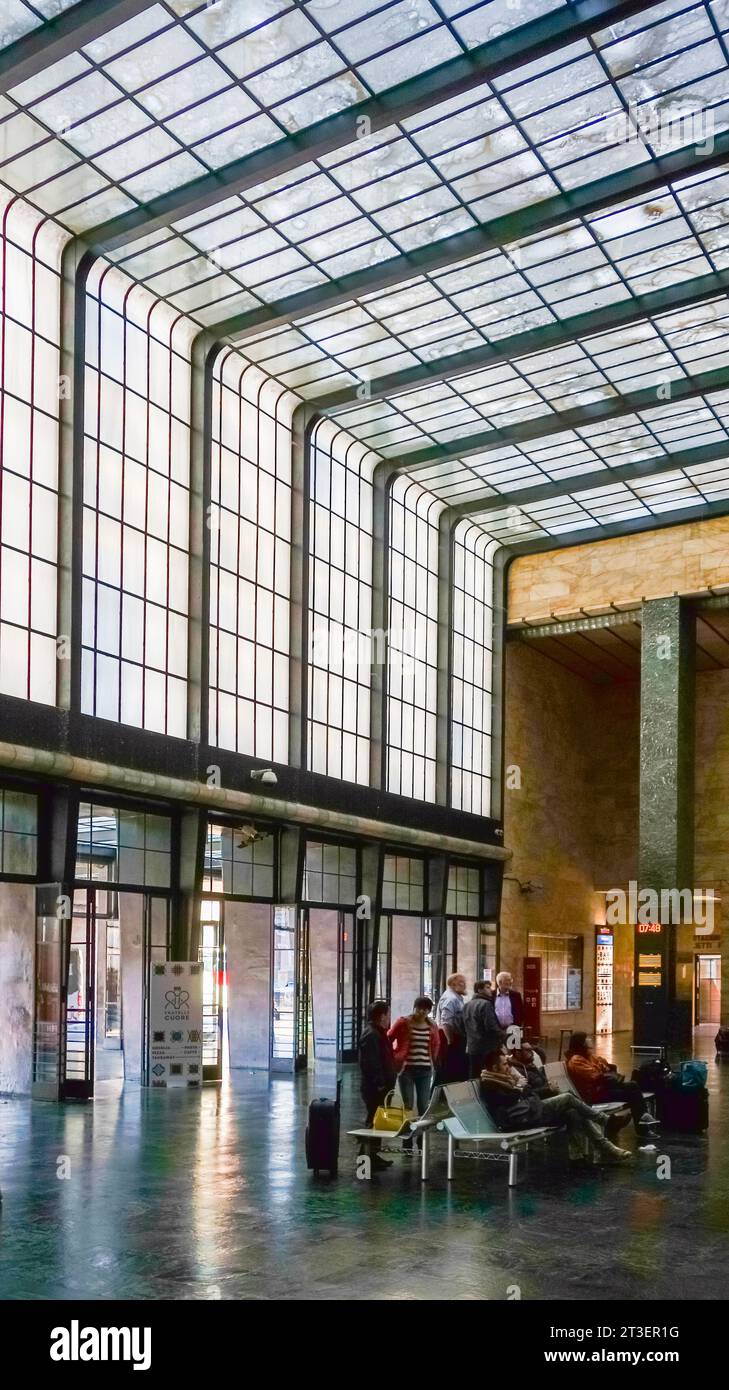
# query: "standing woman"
{"type": "Point", "coordinates": [415, 1048]}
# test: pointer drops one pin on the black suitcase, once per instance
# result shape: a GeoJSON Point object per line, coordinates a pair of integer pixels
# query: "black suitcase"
{"type": "Point", "coordinates": [684, 1112]}
{"type": "Point", "coordinates": [721, 1043]}
{"type": "Point", "coordinates": [322, 1136]}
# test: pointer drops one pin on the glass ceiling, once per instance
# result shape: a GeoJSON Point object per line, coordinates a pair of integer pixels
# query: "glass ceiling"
{"type": "Point", "coordinates": [631, 439]}
{"type": "Point", "coordinates": [186, 88]}
{"type": "Point", "coordinates": [599, 507]}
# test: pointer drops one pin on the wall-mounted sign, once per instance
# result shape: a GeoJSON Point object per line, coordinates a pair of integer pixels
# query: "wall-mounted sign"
{"type": "Point", "coordinates": [532, 996]}
{"type": "Point", "coordinates": [175, 1024]}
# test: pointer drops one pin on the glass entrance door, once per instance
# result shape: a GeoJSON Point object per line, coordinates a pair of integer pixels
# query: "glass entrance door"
{"type": "Point", "coordinates": [351, 984]}
{"type": "Point", "coordinates": [708, 989]}
{"type": "Point", "coordinates": [52, 931]}
{"type": "Point", "coordinates": [78, 1071]}
{"type": "Point", "coordinates": [214, 985]}
{"type": "Point", "coordinates": [284, 989]}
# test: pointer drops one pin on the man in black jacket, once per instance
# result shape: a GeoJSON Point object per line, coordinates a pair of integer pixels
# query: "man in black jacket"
{"type": "Point", "coordinates": [377, 1067]}
{"type": "Point", "coordinates": [483, 1031]}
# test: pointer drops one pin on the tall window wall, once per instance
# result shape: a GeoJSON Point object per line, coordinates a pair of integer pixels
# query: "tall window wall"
{"type": "Point", "coordinates": [136, 506]}
{"type": "Point", "coordinates": [471, 682]}
{"type": "Point", "coordinates": [412, 667]}
{"type": "Point", "coordinates": [250, 559]}
{"type": "Point", "coordinates": [341, 643]}
{"type": "Point", "coordinates": [30, 300]}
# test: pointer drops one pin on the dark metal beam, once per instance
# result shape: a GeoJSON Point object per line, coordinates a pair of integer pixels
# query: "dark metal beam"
{"type": "Point", "coordinates": [542, 425]}
{"type": "Point", "coordinates": [510, 51]}
{"type": "Point", "coordinates": [622, 528]}
{"type": "Point", "coordinates": [64, 34]}
{"type": "Point", "coordinates": [534, 340]}
{"type": "Point", "coordinates": [598, 477]}
{"type": "Point", "coordinates": [500, 231]}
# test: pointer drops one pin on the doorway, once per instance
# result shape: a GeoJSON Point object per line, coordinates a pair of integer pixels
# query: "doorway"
{"type": "Point", "coordinates": [707, 981]}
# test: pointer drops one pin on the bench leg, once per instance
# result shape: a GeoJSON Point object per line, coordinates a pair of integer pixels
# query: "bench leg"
{"type": "Point", "coordinates": [513, 1168]}
{"type": "Point", "coordinates": [451, 1154]}
{"type": "Point", "coordinates": [424, 1156]}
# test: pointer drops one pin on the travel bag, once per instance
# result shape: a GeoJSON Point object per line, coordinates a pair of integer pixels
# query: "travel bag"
{"type": "Point", "coordinates": [683, 1108]}
{"type": "Point", "coordinates": [322, 1136]}
{"type": "Point", "coordinates": [721, 1043]}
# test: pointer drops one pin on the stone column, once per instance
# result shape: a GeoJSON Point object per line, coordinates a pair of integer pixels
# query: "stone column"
{"type": "Point", "coordinates": [407, 964]}
{"type": "Point", "coordinates": [131, 938]}
{"type": "Point", "coordinates": [467, 951]}
{"type": "Point", "coordinates": [248, 928]}
{"type": "Point", "coordinates": [324, 957]}
{"type": "Point", "coordinates": [17, 959]}
{"type": "Point", "coordinates": [663, 1010]}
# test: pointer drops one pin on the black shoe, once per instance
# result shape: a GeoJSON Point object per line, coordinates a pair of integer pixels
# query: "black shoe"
{"type": "Point", "coordinates": [380, 1164]}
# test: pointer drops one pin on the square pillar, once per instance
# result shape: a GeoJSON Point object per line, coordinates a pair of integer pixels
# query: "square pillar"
{"type": "Point", "coordinates": [248, 943]}
{"type": "Point", "coordinates": [664, 956]}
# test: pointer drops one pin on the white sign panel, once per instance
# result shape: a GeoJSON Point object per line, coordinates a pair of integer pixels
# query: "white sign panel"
{"type": "Point", "coordinates": [175, 1024]}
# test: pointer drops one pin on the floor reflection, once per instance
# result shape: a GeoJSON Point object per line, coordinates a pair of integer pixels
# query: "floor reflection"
{"type": "Point", "coordinates": [206, 1195]}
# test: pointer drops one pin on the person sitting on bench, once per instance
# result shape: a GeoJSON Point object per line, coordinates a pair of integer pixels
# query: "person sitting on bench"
{"type": "Point", "coordinates": [523, 1061]}
{"type": "Point", "coordinates": [516, 1109]}
{"type": "Point", "coordinates": [596, 1080]}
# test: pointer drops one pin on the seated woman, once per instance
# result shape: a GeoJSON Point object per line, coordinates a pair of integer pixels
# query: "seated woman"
{"type": "Point", "coordinates": [515, 1108]}
{"type": "Point", "coordinates": [597, 1081]}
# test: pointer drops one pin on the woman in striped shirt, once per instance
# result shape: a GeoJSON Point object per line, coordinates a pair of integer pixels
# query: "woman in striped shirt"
{"type": "Point", "coordinates": [415, 1048]}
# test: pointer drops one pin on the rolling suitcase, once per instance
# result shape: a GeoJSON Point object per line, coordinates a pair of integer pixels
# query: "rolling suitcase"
{"type": "Point", "coordinates": [322, 1136]}
{"type": "Point", "coordinates": [684, 1112]}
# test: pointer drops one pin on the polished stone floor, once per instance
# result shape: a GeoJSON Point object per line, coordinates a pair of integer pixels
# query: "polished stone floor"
{"type": "Point", "coordinates": [186, 1196]}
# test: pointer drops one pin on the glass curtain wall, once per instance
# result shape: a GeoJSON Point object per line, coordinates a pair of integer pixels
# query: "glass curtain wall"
{"type": "Point", "coordinates": [136, 506]}
{"type": "Point", "coordinates": [342, 645]}
{"type": "Point", "coordinates": [30, 391]}
{"type": "Point", "coordinates": [250, 560]}
{"type": "Point", "coordinates": [412, 647]}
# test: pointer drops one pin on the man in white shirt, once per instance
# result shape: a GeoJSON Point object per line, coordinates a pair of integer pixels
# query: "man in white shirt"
{"type": "Point", "coordinates": [450, 1004]}
{"type": "Point", "coordinates": [508, 1002]}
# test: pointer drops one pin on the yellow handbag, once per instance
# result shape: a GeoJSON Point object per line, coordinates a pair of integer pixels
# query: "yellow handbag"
{"type": "Point", "coordinates": [390, 1118]}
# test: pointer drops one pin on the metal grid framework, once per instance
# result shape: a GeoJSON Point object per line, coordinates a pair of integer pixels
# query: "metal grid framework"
{"type": "Point", "coordinates": [342, 647]}
{"type": "Point", "coordinates": [412, 640]}
{"type": "Point", "coordinates": [486, 244]}
{"type": "Point", "coordinates": [136, 506]}
{"type": "Point", "coordinates": [30, 262]}
{"type": "Point", "coordinates": [472, 621]}
{"type": "Point", "coordinates": [250, 560]}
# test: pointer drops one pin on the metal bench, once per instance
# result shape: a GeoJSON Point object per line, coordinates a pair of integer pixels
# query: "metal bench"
{"type": "Point", "coordinates": [559, 1077]}
{"type": "Point", "coordinates": [471, 1122]}
{"type": "Point", "coordinates": [436, 1112]}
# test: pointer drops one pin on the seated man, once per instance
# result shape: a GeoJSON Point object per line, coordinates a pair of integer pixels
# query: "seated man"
{"type": "Point", "coordinates": [515, 1108]}
{"type": "Point", "coordinates": [597, 1081]}
{"type": "Point", "coordinates": [524, 1062]}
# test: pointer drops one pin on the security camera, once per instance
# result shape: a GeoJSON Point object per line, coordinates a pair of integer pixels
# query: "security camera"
{"type": "Point", "coordinates": [265, 775]}
{"type": "Point", "coordinates": [248, 834]}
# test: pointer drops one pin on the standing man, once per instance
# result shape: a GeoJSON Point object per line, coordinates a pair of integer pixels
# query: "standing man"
{"type": "Point", "coordinates": [377, 1066]}
{"type": "Point", "coordinates": [452, 1063]}
{"type": "Point", "coordinates": [484, 1033]}
{"type": "Point", "coordinates": [450, 1004]}
{"type": "Point", "coordinates": [509, 1004]}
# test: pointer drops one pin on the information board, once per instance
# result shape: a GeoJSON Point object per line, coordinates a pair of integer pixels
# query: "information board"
{"type": "Point", "coordinates": [175, 1024]}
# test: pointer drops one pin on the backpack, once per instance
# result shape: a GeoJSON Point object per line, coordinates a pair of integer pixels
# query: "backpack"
{"type": "Point", "coordinates": [653, 1076]}
{"type": "Point", "coordinates": [691, 1076]}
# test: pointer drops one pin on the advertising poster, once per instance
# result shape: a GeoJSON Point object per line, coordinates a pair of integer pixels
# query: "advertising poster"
{"type": "Point", "coordinates": [175, 1024]}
